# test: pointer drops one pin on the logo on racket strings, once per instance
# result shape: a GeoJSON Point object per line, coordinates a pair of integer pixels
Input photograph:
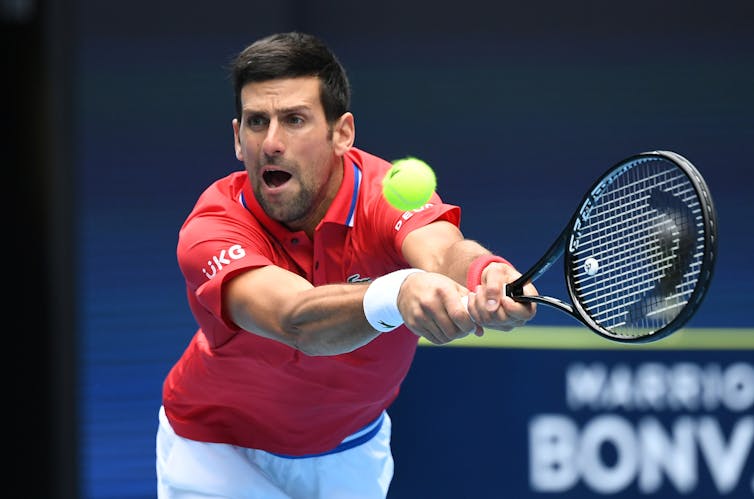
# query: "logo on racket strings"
{"type": "Point", "coordinates": [591, 266]}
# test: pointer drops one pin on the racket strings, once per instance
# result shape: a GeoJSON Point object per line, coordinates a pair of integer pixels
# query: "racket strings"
{"type": "Point", "coordinates": [645, 231]}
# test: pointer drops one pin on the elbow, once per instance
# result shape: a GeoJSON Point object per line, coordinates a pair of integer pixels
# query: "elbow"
{"type": "Point", "coordinates": [294, 332]}
{"type": "Point", "coordinates": [314, 347]}
{"type": "Point", "coordinates": [312, 350]}
{"type": "Point", "coordinates": [307, 341]}
{"type": "Point", "coordinates": [313, 332]}
{"type": "Point", "coordinates": [306, 345]}
{"type": "Point", "coordinates": [321, 346]}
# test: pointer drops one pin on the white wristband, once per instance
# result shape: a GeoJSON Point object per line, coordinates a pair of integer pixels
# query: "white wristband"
{"type": "Point", "coordinates": [381, 300]}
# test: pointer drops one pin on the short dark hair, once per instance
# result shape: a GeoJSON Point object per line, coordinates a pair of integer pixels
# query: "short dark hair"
{"type": "Point", "coordinates": [291, 55]}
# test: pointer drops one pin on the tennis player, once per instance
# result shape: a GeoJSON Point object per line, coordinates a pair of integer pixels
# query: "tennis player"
{"type": "Point", "coordinates": [310, 293]}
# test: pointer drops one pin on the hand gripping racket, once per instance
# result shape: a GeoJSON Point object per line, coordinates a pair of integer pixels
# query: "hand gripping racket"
{"type": "Point", "coordinates": [639, 251]}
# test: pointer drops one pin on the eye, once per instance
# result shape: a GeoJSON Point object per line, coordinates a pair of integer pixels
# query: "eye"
{"type": "Point", "coordinates": [294, 120]}
{"type": "Point", "coordinates": [256, 121]}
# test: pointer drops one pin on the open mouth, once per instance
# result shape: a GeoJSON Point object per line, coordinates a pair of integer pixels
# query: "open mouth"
{"type": "Point", "coordinates": [275, 178]}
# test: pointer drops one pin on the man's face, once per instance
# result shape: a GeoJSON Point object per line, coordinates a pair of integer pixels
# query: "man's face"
{"type": "Point", "coordinates": [287, 148]}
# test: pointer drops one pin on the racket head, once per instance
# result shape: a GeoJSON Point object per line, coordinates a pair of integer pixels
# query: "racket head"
{"type": "Point", "coordinates": [642, 248]}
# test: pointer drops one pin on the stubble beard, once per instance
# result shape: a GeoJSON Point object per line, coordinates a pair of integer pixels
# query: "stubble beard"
{"type": "Point", "coordinates": [287, 211]}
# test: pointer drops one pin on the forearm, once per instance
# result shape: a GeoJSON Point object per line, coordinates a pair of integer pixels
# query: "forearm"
{"type": "Point", "coordinates": [327, 320]}
{"type": "Point", "coordinates": [458, 257]}
{"type": "Point", "coordinates": [379, 303]}
{"type": "Point", "coordinates": [282, 306]}
{"type": "Point", "coordinates": [440, 247]}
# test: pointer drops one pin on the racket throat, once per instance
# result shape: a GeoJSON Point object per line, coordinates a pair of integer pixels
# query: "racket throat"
{"type": "Point", "coordinates": [546, 300]}
{"type": "Point", "coordinates": [515, 290]}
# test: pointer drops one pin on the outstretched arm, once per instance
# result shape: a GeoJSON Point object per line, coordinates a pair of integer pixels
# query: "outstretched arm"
{"type": "Point", "coordinates": [330, 319]}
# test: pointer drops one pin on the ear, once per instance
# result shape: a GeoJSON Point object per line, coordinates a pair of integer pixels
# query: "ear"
{"type": "Point", "coordinates": [344, 134]}
{"type": "Point", "coordinates": [237, 140]}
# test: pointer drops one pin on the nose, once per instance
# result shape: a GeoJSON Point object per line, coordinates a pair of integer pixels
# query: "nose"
{"type": "Point", "coordinates": [273, 143]}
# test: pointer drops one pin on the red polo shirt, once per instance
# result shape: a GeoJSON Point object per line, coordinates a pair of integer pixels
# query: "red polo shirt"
{"type": "Point", "coordinates": [236, 387]}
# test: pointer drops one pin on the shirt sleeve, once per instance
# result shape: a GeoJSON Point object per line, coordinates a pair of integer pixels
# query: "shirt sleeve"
{"type": "Point", "coordinates": [213, 246]}
{"type": "Point", "coordinates": [433, 211]}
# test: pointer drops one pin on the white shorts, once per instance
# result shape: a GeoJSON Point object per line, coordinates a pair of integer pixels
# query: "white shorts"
{"type": "Point", "coordinates": [191, 469]}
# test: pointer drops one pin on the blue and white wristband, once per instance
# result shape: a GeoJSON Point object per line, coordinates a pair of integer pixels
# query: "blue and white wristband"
{"type": "Point", "coordinates": [381, 300]}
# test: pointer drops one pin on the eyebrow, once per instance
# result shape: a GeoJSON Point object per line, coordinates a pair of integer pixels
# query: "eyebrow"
{"type": "Point", "coordinates": [286, 110]}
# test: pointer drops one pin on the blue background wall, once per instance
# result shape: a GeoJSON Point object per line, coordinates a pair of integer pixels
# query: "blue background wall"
{"type": "Point", "coordinates": [518, 108]}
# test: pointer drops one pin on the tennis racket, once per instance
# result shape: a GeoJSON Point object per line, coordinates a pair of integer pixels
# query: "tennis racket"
{"type": "Point", "coordinates": [639, 251]}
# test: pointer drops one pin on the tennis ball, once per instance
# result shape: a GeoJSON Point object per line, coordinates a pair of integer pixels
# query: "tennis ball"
{"type": "Point", "coordinates": [409, 184]}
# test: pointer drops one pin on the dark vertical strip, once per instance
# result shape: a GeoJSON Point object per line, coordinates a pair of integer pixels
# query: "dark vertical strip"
{"type": "Point", "coordinates": [60, 172]}
{"type": "Point", "coordinates": [41, 341]}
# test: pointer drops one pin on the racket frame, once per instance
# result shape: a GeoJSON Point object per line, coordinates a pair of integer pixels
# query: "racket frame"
{"type": "Point", "coordinates": [560, 247]}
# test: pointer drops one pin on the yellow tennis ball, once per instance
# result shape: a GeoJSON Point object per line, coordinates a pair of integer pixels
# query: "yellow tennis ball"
{"type": "Point", "coordinates": [409, 183]}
